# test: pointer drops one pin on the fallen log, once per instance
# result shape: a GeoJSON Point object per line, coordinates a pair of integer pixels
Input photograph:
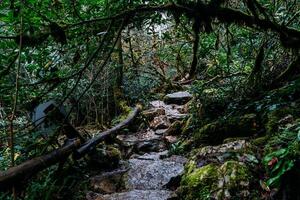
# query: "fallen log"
{"type": "Point", "coordinates": [101, 136]}
{"type": "Point", "coordinates": [26, 170]}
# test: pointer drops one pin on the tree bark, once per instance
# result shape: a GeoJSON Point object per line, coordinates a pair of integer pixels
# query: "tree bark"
{"type": "Point", "coordinates": [18, 174]}
{"type": "Point", "coordinates": [194, 64]}
{"type": "Point", "coordinates": [101, 136]}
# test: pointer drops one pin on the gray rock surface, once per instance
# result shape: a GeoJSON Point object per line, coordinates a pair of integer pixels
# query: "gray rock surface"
{"type": "Point", "coordinates": [149, 175]}
{"type": "Point", "coordinates": [152, 174]}
{"type": "Point", "coordinates": [178, 98]}
{"type": "Point", "coordinates": [135, 195]}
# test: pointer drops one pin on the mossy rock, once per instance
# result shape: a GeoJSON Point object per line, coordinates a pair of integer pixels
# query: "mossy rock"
{"type": "Point", "coordinates": [105, 158]}
{"type": "Point", "coordinates": [175, 128]}
{"type": "Point", "coordinates": [260, 141]}
{"type": "Point", "coordinates": [273, 117]}
{"type": "Point", "coordinates": [228, 181]}
{"type": "Point", "coordinates": [290, 91]}
{"type": "Point", "coordinates": [187, 125]}
{"type": "Point", "coordinates": [216, 132]}
{"type": "Point", "coordinates": [197, 183]}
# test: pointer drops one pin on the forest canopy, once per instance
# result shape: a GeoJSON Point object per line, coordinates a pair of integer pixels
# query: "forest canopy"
{"type": "Point", "coordinates": [94, 60]}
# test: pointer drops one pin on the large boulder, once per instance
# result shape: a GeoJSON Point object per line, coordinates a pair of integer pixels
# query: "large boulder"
{"type": "Point", "coordinates": [179, 98]}
{"type": "Point", "coordinates": [151, 174]}
{"type": "Point", "coordinates": [230, 180]}
{"type": "Point", "coordinates": [239, 126]}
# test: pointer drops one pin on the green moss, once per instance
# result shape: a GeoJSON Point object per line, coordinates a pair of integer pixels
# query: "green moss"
{"type": "Point", "coordinates": [216, 132]}
{"type": "Point", "coordinates": [113, 153]}
{"type": "Point", "coordinates": [260, 141]}
{"type": "Point", "coordinates": [187, 125]}
{"type": "Point", "coordinates": [274, 117]}
{"type": "Point", "coordinates": [198, 182]}
{"type": "Point", "coordinates": [215, 182]}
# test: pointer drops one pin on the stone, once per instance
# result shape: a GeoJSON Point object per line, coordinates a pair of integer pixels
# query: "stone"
{"type": "Point", "coordinates": [151, 174]}
{"type": "Point", "coordinates": [171, 139]}
{"type": "Point", "coordinates": [179, 98]}
{"type": "Point", "coordinates": [161, 131]}
{"type": "Point", "coordinates": [153, 112]}
{"type": "Point", "coordinates": [160, 122]}
{"type": "Point", "coordinates": [175, 128]}
{"type": "Point", "coordinates": [157, 104]}
{"type": "Point", "coordinates": [173, 113]}
{"type": "Point", "coordinates": [216, 182]}
{"type": "Point", "coordinates": [136, 195]}
{"type": "Point", "coordinates": [108, 182]}
{"type": "Point", "coordinates": [105, 158]}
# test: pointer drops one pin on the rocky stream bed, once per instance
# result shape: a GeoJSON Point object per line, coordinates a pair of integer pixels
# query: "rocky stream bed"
{"type": "Point", "coordinates": [150, 173]}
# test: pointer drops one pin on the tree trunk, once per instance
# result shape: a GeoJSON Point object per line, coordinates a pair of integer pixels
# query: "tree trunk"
{"type": "Point", "coordinates": [194, 64]}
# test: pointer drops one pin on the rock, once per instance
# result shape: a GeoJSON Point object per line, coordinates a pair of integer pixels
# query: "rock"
{"type": "Point", "coordinates": [173, 112]}
{"type": "Point", "coordinates": [144, 141]}
{"type": "Point", "coordinates": [107, 158]}
{"type": "Point", "coordinates": [216, 182]}
{"type": "Point", "coordinates": [179, 98]}
{"type": "Point", "coordinates": [171, 139]}
{"type": "Point", "coordinates": [157, 104]}
{"type": "Point", "coordinates": [224, 148]}
{"type": "Point", "coordinates": [108, 182]}
{"type": "Point", "coordinates": [175, 128]}
{"type": "Point", "coordinates": [136, 195]}
{"type": "Point", "coordinates": [153, 112]}
{"type": "Point", "coordinates": [151, 156]}
{"type": "Point", "coordinates": [161, 131]}
{"type": "Point", "coordinates": [214, 133]}
{"type": "Point", "coordinates": [148, 146]}
{"type": "Point", "coordinates": [151, 174]}
{"type": "Point", "coordinates": [127, 140]}
{"type": "Point", "coordinates": [160, 122]}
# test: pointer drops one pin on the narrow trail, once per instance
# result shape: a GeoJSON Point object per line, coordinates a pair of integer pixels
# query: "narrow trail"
{"type": "Point", "coordinates": [150, 173]}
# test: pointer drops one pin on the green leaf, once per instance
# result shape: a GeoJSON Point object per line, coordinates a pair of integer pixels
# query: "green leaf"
{"type": "Point", "coordinates": [279, 154]}
{"type": "Point", "coordinates": [274, 181]}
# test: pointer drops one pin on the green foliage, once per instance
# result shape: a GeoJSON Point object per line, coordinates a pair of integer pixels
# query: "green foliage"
{"type": "Point", "coordinates": [284, 149]}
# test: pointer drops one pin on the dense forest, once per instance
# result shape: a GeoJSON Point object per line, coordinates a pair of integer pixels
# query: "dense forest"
{"type": "Point", "coordinates": [150, 99]}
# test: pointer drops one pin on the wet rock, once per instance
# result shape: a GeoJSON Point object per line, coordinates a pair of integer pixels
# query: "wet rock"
{"type": "Point", "coordinates": [160, 122]}
{"type": "Point", "coordinates": [144, 141]}
{"type": "Point", "coordinates": [171, 139]}
{"type": "Point", "coordinates": [216, 182]}
{"type": "Point", "coordinates": [105, 158]}
{"type": "Point", "coordinates": [135, 195]}
{"type": "Point", "coordinates": [238, 126]}
{"type": "Point", "coordinates": [179, 98]}
{"type": "Point", "coordinates": [161, 131]}
{"type": "Point", "coordinates": [220, 149]}
{"type": "Point", "coordinates": [127, 140]}
{"type": "Point", "coordinates": [157, 104]}
{"type": "Point", "coordinates": [153, 112]}
{"type": "Point", "coordinates": [173, 112]}
{"type": "Point", "coordinates": [151, 156]}
{"type": "Point", "coordinates": [148, 146]}
{"type": "Point", "coordinates": [108, 182]}
{"type": "Point", "coordinates": [151, 174]}
{"type": "Point", "coordinates": [175, 128]}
